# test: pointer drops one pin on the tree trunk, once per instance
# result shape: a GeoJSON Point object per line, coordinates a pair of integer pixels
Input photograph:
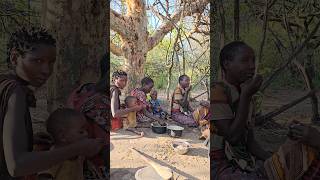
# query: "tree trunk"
{"type": "Point", "coordinates": [309, 68]}
{"type": "Point", "coordinates": [169, 79]}
{"type": "Point", "coordinates": [135, 47]}
{"type": "Point", "coordinates": [223, 23]}
{"type": "Point", "coordinates": [236, 19]}
{"type": "Point", "coordinates": [81, 34]}
{"type": "Point", "coordinates": [206, 85]}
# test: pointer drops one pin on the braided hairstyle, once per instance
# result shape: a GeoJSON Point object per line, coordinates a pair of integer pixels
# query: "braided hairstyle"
{"type": "Point", "coordinates": [25, 39]}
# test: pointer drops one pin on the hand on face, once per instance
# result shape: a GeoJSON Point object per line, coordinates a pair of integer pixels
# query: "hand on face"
{"type": "Point", "coordinates": [251, 86]}
{"type": "Point", "coordinates": [188, 89]}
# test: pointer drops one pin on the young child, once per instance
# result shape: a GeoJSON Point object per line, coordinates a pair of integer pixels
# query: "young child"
{"type": "Point", "coordinates": [66, 126]}
{"type": "Point", "coordinates": [155, 105]}
{"type": "Point", "coordinates": [130, 119]}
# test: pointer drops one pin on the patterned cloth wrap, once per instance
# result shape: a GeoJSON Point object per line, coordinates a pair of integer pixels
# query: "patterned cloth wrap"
{"type": "Point", "coordinates": [96, 108]}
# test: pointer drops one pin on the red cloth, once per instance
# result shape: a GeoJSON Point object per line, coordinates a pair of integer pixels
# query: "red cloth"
{"type": "Point", "coordinates": [116, 123]}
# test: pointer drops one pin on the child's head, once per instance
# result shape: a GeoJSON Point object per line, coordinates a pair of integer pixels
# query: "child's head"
{"type": "Point", "coordinates": [154, 94]}
{"type": "Point", "coordinates": [32, 54]}
{"type": "Point", "coordinates": [147, 84]}
{"type": "Point", "coordinates": [66, 126]}
{"type": "Point", "coordinates": [237, 61]}
{"type": "Point", "coordinates": [120, 78]}
{"type": "Point", "coordinates": [184, 81]}
{"type": "Point", "coordinates": [130, 101]}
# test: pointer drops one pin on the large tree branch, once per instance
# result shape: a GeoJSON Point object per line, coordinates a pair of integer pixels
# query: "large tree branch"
{"type": "Point", "coordinates": [186, 9]}
{"type": "Point", "coordinates": [115, 49]}
{"type": "Point", "coordinates": [281, 21]}
{"type": "Point", "coordinates": [157, 13]}
{"type": "Point", "coordinates": [119, 24]}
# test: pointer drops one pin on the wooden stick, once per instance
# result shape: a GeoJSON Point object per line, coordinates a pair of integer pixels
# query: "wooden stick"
{"type": "Point", "coordinates": [136, 132]}
{"type": "Point", "coordinates": [264, 118]}
{"type": "Point", "coordinates": [199, 95]}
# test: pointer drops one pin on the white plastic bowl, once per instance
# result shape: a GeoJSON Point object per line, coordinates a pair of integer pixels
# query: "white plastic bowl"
{"type": "Point", "coordinates": [181, 147]}
{"type": "Point", "coordinates": [147, 173]}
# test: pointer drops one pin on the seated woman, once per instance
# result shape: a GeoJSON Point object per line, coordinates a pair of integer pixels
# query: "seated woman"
{"type": "Point", "coordinates": [234, 152]}
{"type": "Point", "coordinates": [181, 111]}
{"type": "Point", "coordinates": [119, 81]}
{"type": "Point", "coordinates": [144, 115]}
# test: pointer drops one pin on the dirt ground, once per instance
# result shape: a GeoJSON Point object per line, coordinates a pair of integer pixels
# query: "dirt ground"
{"type": "Point", "coordinates": [193, 165]}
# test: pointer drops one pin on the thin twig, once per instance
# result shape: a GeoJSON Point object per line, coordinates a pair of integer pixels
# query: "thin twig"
{"type": "Point", "coordinates": [265, 25]}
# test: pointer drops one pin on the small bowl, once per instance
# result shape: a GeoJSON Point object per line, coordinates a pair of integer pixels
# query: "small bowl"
{"type": "Point", "coordinates": [181, 147]}
{"type": "Point", "coordinates": [159, 129]}
{"type": "Point", "coordinates": [175, 131]}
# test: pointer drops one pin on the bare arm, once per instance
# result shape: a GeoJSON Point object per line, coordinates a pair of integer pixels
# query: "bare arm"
{"type": "Point", "coordinates": [19, 161]}
{"type": "Point", "coordinates": [233, 130]}
{"type": "Point", "coordinates": [115, 106]}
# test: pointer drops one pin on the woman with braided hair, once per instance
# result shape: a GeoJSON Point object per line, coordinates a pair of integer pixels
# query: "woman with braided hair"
{"type": "Point", "coordinates": [119, 81]}
{"type": "Point", "coordinates": [31, 56]}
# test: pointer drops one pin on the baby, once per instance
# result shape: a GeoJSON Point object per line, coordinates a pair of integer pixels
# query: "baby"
{"type": "Point", "coordinates": [155, 105]}
{"type": "Point", "coordinates": [66, 126]}
{"type": "Point", "coordinates": [130, 119]}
